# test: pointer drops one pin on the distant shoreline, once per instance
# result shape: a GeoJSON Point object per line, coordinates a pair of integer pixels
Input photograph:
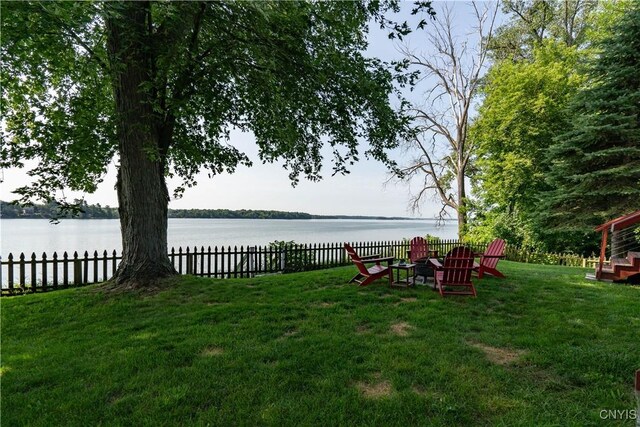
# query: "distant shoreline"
{"type": "Point", "coordinates": [49, 211]}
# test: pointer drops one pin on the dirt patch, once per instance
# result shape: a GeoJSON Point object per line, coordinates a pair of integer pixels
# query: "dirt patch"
{"type": "Point", "coordinates": [419, 390]}
{"type": "Point", "coordinates": [362, 329]}
{"type": "Point", "coordinates": [212, 303]}
{"type": "Point", "coordinates": [212, 351]}
{"type": "Point", "coordinates": [326, 304]}
{"type": "Point", "coordinates": [376, 389]}
{"type": "Point", "coordinates": [423, 392]}
{"type": "Point", "coordinates": [290, 333]}
{"type": "Point", "coordinates": [401, 329]}
{"type": "Point", "coordinates": [497, 355]}
{"type": "Point", "coordinates": [114, 398]}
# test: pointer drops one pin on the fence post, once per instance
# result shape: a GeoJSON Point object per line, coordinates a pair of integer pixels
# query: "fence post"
{"type": "Point", "coordinates": [251, 253]}
{"type": "Point", "coordinates": [189, 262]}
{"type": "Point", "coordinates": [283, 258]}
{"type": "Point", "coordinates": [221, 261]}
{"type": "Point", "coordinates": [202, 273]}
{"type": "Point", "coordinates": [54, 266]}
{"type": "Point", "coordinates": [33, 272]}
{"type": "Point", "coordinates": [235, 262]}
{"type": "Point", "coordinates": [194, 261]}
{"type": "Point", "coordinates": [22, 267]}
{"type": "Point", "coordinates": [95, 266]}
{"type": "Point", "coordinates": [77, 269]}
{"type": "Point", "coordinates": [10, 272]}
{"type": "Point", "coordinates": [215, 262]}
{"type": "Point", "coordinates": [85, 268]}
{"type": "Point", "coordinates": [45, 273]}
{"type": "Point", "coordinates": [105, 265]}
{"type": "Point", "coordinates": [65, 269]}
{"type": "Point", "coordinates": [194, 258]}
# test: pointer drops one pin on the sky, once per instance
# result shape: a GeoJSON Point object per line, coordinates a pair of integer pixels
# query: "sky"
{"type": "Point", "coordinates": [365, 191]}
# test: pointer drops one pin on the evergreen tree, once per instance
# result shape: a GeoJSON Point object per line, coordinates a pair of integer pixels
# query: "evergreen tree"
{"type": "Point", "coordinates": [596, 164]}
{"type": "Point", "coordinates": [538, 54]}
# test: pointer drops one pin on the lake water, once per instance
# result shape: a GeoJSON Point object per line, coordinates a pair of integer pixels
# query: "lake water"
{"type": "Point", "coordinates": [39, 235]}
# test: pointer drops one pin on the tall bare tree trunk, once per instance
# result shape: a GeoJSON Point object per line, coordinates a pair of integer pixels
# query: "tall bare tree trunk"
{"type": "Point", "coordinates": [461, 203]}
{"type": "Point", "coordinates": [452, 72]}
{"type": "Point", "coordinates": [142, 192]}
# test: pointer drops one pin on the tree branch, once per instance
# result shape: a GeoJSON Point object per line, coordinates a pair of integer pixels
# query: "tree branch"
{"type": "Point", "coordinates": [68, 31]}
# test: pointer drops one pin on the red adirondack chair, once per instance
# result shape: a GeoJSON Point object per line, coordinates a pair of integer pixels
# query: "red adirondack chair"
{"type": "Point", "coordinates": [455, 272]}
{"type": "Point", "coordinates": [419, 250]}
{"type": "Point", "coordinates": [366, 275]}
{"type": "Point", "coordinates": [489, 260]}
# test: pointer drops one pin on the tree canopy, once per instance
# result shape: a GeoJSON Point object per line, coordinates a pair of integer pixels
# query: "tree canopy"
{"type": "Point", "coordinates": [158, 87]}
{"type": "Point", "coordinates": [558, 125]}
{"type": "Point", "coordinates": [531, 22]}
{"type": "Point", "coordinates": [290, 72]}
{"type": "Point", "coordinates": [524, 108]}
{"type": "Point", "coordinates": [596, 163]}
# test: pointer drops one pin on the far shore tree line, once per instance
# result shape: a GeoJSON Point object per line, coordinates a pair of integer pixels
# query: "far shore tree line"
{"type": "Point", "coordinates": [541, 119]}
{"type": "Point", "coordinates": [51, 211]}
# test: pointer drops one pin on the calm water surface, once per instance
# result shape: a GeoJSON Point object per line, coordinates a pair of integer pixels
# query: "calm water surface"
{"type": "Point", "coordinates": [39, 235]}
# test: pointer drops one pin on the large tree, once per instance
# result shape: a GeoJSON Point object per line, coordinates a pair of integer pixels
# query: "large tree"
{"type": "Point", "coordinates": [448, 69]}
{"type": "Point", "coordinates": [596, 164]}
{"type": "Point", "coordinates": [539, 55]}
{"type": "Point", "coordinates": [158, 86]}
{"type": "Point", "coordinates": [524, 108]}
{"type": "Point", "coordinates": [530, 22]}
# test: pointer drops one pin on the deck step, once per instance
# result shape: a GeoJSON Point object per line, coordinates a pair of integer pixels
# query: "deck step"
{"type": "Point", "coordinates": [623, 262]}
{"type": "Point", "coordinates": [619, 269]}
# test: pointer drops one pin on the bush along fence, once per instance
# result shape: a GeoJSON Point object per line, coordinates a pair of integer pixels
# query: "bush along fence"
{"type": "Point", "coordinates": [21, 274]}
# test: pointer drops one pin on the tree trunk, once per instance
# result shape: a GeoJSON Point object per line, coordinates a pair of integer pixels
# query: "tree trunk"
{"type": "Point", "coordinates": [142, 192]}
{"type": "Point", "coordinates": [462, 205]}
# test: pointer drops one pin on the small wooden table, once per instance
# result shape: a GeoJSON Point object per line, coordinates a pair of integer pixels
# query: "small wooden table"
{"type": "Point", "coordinates": [435, 264]}
{"type": "Point", "coordinates": [409, 280]}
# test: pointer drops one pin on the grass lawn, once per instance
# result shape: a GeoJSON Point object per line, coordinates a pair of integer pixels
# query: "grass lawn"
{"type": "Point", "coordinates": [543, 347]}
